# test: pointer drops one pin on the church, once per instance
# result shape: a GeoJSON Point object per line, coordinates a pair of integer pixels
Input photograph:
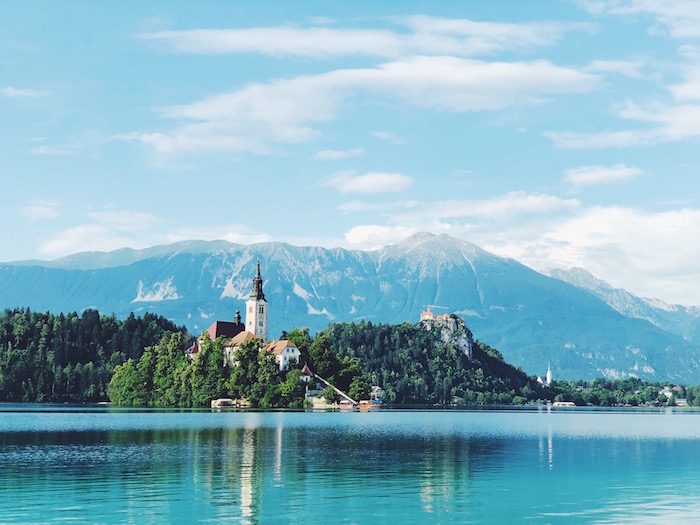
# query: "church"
{"type": "Point", "coordinates": [284, 352]}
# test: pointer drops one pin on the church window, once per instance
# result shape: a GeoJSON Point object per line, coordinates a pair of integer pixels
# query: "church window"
{"type": "Point", "coordinates": [250, 309]}
{"type": "Point", "coordinates": [262, 309]}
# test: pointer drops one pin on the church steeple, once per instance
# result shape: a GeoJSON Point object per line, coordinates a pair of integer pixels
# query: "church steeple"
{"type": "Point", "coordinates": [256, 308]}
{"type": "Point", "coordinates": [257, 291]}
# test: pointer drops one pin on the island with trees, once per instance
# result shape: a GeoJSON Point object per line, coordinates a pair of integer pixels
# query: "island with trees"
{"type": "Point", "coordinates": [142, 361]}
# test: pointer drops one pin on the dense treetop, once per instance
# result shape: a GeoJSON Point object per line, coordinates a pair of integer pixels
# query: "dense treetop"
{"type": "Point", "coordinates": [69, 357]}
{"type": "Point", "coordinates": [141, 361]}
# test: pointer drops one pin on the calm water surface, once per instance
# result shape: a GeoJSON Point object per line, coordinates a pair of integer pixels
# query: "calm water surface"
{"type": "Point", "coordinates": [102, 465]}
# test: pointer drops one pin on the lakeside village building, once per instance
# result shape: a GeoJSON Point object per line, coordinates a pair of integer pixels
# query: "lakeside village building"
{"type": "Point", "coordinates": [255, 327]}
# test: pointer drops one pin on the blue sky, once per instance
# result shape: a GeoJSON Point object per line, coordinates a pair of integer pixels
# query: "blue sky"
{"type": "Point", "coordinates": [560, 133]}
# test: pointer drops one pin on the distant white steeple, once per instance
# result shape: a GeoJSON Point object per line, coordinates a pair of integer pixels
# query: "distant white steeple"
{"type": "Point", "coordinates": [549, 375]}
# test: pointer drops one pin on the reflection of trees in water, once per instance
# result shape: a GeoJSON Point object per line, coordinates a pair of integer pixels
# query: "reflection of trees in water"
{"type": "Point", "coordinates": [243, 473]}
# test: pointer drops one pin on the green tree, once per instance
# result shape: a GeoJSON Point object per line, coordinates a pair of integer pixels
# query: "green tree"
{"type": "Point", "coordinates": [127, 387]}
{"type": "Point", "coordinates": [359, 389]}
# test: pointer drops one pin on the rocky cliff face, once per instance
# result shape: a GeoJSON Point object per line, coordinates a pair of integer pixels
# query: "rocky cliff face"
{"type": "Point", "coordinates": [452, 331]}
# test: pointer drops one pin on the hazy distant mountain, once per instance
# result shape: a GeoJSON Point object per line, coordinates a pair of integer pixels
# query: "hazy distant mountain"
{"type": "Point", "coordinates": [674, 318]}
{"type": "Point", "coordinates": [531, 318]}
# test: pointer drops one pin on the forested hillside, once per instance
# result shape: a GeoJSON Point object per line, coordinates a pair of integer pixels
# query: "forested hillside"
{"type": "Point", "coordinates": [414, 366]}
{"type": "Point", "coordinates": [56, 358]}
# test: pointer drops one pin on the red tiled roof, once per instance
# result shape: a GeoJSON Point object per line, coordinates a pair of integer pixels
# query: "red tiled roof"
{"type": "Point", "coordinates": [224, 329]}
{"type": "Point", "coordinates": [277, 347]}
{"type": "Point", "coordinates": [242, 337]}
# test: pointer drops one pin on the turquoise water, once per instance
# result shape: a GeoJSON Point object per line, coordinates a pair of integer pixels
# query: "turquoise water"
{"type": "Point", "coordinates": [101, 465]}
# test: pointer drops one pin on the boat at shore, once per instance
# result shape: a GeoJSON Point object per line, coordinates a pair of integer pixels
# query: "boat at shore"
{"type": "Point", "coordinates": [374, 404]}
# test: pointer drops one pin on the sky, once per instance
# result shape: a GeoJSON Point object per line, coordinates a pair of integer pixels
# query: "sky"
{"type": "Point", "coordinates": [559, 133]}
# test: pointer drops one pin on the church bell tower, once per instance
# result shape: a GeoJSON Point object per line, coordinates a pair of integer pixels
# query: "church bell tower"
{"type": "Point", "coordinates": [256, 309]}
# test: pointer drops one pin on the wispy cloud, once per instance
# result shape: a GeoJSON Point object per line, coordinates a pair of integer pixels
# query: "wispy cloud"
{"type": "Point", "coordinates": [258, 116]}
{"type": "Point", "coordinates": [372, 236]}
{"type": "Point", "coordinates": [86, 237]}
{"type": "Point", "coordinates": [413, 35]}
{"type": "Point", "coordinates": [104, 230]}
{"type": "Point", "coordinates": [591, 175]}
{"type": "Point", "coordinates": [13, 92]}
{"type": "Point", "coordinates": [612, 242]}
{"type": "Point", "coordinates": [235, 233]}
{"type": "Point", "coordinates": [384, 207]}
{"type": "Point", "coordinates": [389, 137]}
{"type": "Point", "coordinates": [629, 69]}
{"type": "Point", "coordinates": [60, 150]}
{"type": "Point", "coordinates": [679, 18]}
{"type": "Point", "coordinates": [334, 154]}
{"type": "Point", "coordinates": [124, 220]}
{"type": "Point", "coordinates": [499, 207]}
{"type": "Point", "coordinates": [40, 211]}
{"type": "Point", "coordinates": [372, 182]}
{"type": "Point", "coordinates": [112, 229]}
{"type": "Point", "coordinates": [671, 121]}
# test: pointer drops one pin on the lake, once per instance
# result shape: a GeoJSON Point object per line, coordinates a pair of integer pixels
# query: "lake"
{"type": "Point", "coordinates": [560, 466]}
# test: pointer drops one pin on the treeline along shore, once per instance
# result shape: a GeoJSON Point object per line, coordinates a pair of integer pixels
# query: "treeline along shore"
{"type": "Point", "coordinates": [142, 361]}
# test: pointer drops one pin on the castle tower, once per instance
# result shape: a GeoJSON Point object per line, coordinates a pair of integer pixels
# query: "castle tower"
{"type": "Point", "coordinates": [256, 309]}
{"type": "Point", "coordinates": [549, 375]}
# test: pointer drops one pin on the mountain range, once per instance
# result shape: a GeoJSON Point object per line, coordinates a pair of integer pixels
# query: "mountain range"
{"type": "Point", "coordinates": [582, 326]}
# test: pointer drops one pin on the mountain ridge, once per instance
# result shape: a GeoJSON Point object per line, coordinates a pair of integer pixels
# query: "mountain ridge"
{"type": "Point", "coordinates": [674, 318]}
{"type": "Point", "coordinates": [531, 318]}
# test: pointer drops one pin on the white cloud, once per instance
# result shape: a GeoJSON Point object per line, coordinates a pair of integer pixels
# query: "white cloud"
{"type": "Point", "coordinates": [361, 207]}
{"type": "Point", "coordinates": [680, 18]}
{"type": "Point", "coordinates": [52, 150]}
{"type": "Point", "coordinates": [651, 254]}
{"type": "Point", "coordinates": [666, 122]}
{"type": "Point", "coordinates": [372, 182]}
{"type": "Point", "coordinates": [12, 92]}
{"type": "Point", "coordinates": [258, 116]}
{"type": "Point", "coordinates": [415, 35]}
{"type": "Point", "coordinates": [590, 175]}
{"type": "Point", "coordinates": [87, 237]}
{"type": "Point", "coordinates": [315, 42]}
{"type": "Point", "coordinates": [112, 229]}
{"type": "Point", "coordinates": [41, 211]}
{"type": "Point", "coordinates": [459, 85]}
{"type": "Point", "coordinates": [498, 208]}
{"type": "Point", "coordinates": [622, 67]}
{"type": "Point", "coordinates": [107, 229]}
{"type": "Point", "coordinates": [370, 236]}
{"type": "Point", "coordinates": [334, 154]}
{"type": "Point", "coordinates": [389, 137]}
{"type": "Point", "coordinates": [464, 37]}
{"type": "Point", "coordinates": [235, 233]}
{"type": "Point", "coordinates": [689, 51]}
{"type": "Point", "coordinates": [672, 123]}
{"type": "Point", "coordinates": [124, 220]}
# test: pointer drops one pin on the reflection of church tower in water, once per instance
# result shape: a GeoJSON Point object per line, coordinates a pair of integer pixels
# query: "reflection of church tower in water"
{"type": "Point", "coordinates": [256, 309]}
